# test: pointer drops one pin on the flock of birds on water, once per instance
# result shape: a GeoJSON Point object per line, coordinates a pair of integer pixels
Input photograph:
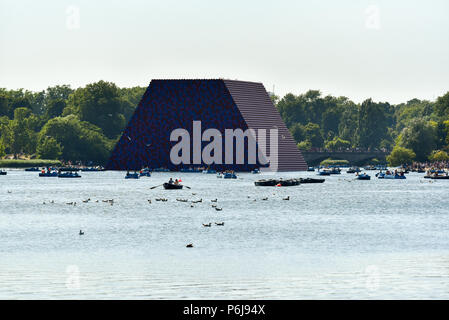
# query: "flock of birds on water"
{"type": "Point", "coordinates": [192, 205]}
{"type": "Point", "coordinates": [192, 202]}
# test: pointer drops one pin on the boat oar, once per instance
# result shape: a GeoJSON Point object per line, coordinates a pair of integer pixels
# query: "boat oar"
{"type": "Point", "coordinates": [156, 186]}
{"type": "Point", "coordinates": [187, 187]}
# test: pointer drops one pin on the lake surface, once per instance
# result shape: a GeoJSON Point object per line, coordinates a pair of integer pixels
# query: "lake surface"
{"type": "Point", "coordinates": [378, 239]}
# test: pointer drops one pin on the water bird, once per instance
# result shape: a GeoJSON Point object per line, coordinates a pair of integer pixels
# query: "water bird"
{"type": "Point", "coordinates": [81, 232]}
{"type": "Point", "coordinates": [192, 206]}
{"type": "Point", "coordinates": [9, 191]}
{"type": "Point", "coordinates": [219, 223]}
{"type": "Point", "coordinates": [218, 209]}
{"type": "Point", "coordinates": [214, 206]}
{"type": "Point", "coordinates": [286, 198]}
{"type": "Point", "coordinates": [207, 224]}
{"type": "Point", "coordinates": [214, 200]}
{"type": "Point", "coordinates": [149, 200]}
{"type": "Point", "coordinates": [190, 245]}
{"type": "Point", "coordinates": [193, 194]}
{"type": "Point", "coordinates": [182, 200]}
{"type": "Point", "coordinates": [69, 203]}
{"type": "Point", "coordinates": [266, 198]}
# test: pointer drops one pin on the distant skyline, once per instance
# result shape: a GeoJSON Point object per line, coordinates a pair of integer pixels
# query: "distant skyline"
{"type": "Point", "coordinates": [386, 50]}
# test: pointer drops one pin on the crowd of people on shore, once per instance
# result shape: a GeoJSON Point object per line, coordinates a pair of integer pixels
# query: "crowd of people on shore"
{"type": "Point", "coordinates": [351, 150]}
{"type": "Point", "coordinates": [436, 169]}
{"type": "Point", "coordinates": [415, 166]}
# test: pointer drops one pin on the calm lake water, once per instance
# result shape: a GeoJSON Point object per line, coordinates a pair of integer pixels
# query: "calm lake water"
{"type": "Point", "coordinates": [341, 239]}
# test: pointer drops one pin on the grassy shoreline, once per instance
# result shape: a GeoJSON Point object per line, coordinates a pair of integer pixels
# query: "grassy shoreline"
{"type": "Point", "coordinates": [5, 163]}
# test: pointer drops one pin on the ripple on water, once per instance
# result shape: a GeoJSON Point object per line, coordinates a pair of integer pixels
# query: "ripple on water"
{"type": "Point", "coordinates": [342, 239]}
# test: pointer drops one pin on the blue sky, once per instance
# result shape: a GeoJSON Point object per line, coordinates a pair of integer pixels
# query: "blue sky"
{"type": "Point", "coordinates": [388, 50]}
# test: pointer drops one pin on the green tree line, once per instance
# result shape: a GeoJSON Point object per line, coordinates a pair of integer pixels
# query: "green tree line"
{"type": "Point", "coordinates": [63, 123]}
{"type": "Point", "coordinates": [84, 124]}
{"type": "Point", "coordinates": [415, 130]}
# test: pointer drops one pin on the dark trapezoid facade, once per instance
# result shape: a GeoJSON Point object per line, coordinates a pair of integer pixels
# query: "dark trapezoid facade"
{"type": "Point", "coordinates": [220, 104]}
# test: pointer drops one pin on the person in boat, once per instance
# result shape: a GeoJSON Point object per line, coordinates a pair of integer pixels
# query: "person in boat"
{"type": "Point", "coordinates": [176, 182]}
{"type": "Point", "coordinates": [170, 181]}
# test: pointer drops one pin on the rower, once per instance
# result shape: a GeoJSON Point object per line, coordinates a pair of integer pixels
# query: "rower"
{"type": "Point", "coordinates": [170, 181]}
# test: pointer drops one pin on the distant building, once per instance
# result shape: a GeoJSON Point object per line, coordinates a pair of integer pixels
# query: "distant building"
{"type": "Point", "coordinates": [198, 123]}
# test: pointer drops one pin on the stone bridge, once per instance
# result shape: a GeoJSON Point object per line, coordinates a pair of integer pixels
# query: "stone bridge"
{"type": "Point", "coordinates": [314, 158]}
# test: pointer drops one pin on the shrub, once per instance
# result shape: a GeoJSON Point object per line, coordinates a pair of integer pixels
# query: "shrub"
{"type": "Point", "coordinates": [439, 155]}
{"type": "Point", "coordinates": [28, 163]}
{"type": "Point", "coordinates": [400, 155]}
{"type": "Point", "coordinates": [304, 145]}
{"type": "Point", "coordinates": [330, 162]}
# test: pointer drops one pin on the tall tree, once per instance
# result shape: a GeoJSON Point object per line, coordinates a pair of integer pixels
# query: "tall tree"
{"type": "Point", "coordinates": [22, 129]}
{"type": "Point", "coordinates": [80, 140]}
{"type": "Point", "coordinates": [400, 156]}
{"type": "Point", "coordinates": [49, 148]}
{"type": "Point", "coordinates": [99, 103]}
{"type": "Point", "coordinates": [4, 104]}
{"type": "Point", "coordinates": [420, 136]}
{"type": "Point", "coordinates": [371, 124]}
{"type": "Point", "coordinates": [442, 106]}
{"type": "Point", "coordinates": [312, 133]}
